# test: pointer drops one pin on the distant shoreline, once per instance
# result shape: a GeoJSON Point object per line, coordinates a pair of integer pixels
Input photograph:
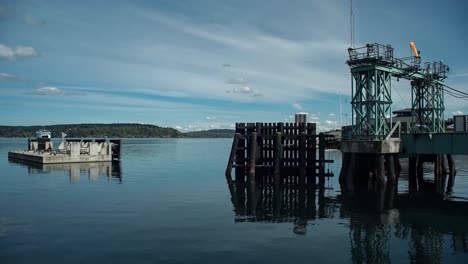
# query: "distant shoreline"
{"type": "Point", "coordinates": [119, 130]}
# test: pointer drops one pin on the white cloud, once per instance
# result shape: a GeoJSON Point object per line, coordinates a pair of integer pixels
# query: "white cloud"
{"type": "Point", "coordinates": [11, 53]}
{"type": "Point", "coordinates": [7, 77]}
{"type": "Point", "coordinates": [458, 112]}
{"type": "Point", "coordinates": [298, 106]}
{"type": "Point", "coordinates": [33, 21]}
{"type": "Point", "coordinates": [24, 51]}
{"type": "Point", "coordinates": [329, 122]}
{"type": "Point", "coordinates": [271, 61]}
{"type": "Point", "coordinates": [210, 118]}
{"type": "Point", "coordinates": [237, 81]}
{"type": "Point", "coordinates": [241, 90]}
{"type": "Point", "coordinates": [48, 90]}
{"type": "Point", "coordinates": [331, 115]}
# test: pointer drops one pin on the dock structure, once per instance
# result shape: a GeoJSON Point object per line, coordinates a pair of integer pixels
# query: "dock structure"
{"type": "Point", "coordinates": [279, 153]}
{"type": "Point", "coordinates": [371, 153]}
{"type": "Point", "coordinates": [70, 151]}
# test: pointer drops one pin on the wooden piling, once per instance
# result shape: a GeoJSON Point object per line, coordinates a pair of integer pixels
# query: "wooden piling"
{"type": "Point", "coordinates": [398, 167]}
{"type": "Point", "coordinates": [321, 159]}
{"type": "Point", "coordinates": [302, 158]}
{"type": "Point", "coordinates": [452, 173]}
{"type": "Point", "coordinates": [277, 158]}
{"type": "Point", "coordinates": [253, 157]}
{"type": "Point", "coordinates": [381, 171]}
{"type": "Point", "coordinates": [232, 156]}
{"type": "Point", "coordinates": [350, 172]}
{"type": "Point", "coordinates": [437, 173]}
{"type": "Point", "coordinates": [443, 176]}
{"type": "Point", "coordinates": [420, 172]}
{"type": "Point", "coordinates": [390, 168]}
{"type": "Point", "coordinates": [345, 157]}
{"type": "Point", "coordinates": [412, 170]}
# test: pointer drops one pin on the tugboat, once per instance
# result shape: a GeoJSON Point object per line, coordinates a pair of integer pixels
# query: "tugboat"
{"type": "Point", "coordinates": [43, 134]}
{"type": "Point", "coordinates": [42, 141]}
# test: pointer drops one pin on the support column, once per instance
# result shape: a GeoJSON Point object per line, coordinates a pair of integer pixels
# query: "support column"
{"type": "Point", "coordinates": [452, 173]}
{"type": "Point", "coordinates": [390, 169]}
{"type": "Point", "coordinates": [381, 171]}
{"type": "Point", "coordinates": [420, 172]}
{"type": "Point", "coordinates": [412, 168]}
{"type": "Point", "coordinates": [350, 173]}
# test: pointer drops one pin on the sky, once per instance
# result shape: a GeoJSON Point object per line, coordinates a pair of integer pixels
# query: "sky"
{"type": "Point", "coordinates": [205, 64]}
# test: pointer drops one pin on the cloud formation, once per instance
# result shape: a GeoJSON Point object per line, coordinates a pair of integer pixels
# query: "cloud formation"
{"type": "Point", "coordinates": [7, 77]}
{"type": "Point", "coordinates": [298, 106]}
{"type": "Point", "coordinates": [237, 81]}
{"type": "Point", "coordinates": [33, 21]}
{"type": "Point", "coordinates": [11, 53]}
{"type": "Point", "coordinates": [241, 90]}
{"type": "Point", "coordinates": [48, 90]}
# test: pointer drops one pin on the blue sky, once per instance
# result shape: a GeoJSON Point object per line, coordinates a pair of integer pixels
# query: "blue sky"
{"type": "Point", "coordinates": [207, 63]}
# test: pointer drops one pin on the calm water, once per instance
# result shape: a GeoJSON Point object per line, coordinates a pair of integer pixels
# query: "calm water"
{"type": "Point", "coordinates": [168, 202]}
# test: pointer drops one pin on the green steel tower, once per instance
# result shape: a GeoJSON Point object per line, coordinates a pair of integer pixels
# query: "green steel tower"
{"type": "Point", "coordinates": [371, 90]}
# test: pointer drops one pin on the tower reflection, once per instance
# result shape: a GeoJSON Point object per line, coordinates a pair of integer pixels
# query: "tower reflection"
{"type": "Point", "coordinates": [380, 223]}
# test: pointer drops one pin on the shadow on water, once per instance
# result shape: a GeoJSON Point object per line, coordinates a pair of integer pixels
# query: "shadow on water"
{"type": "Point", "coordinates": [426, 226]}
{"type": "Point", "coordinates": [92, 170]}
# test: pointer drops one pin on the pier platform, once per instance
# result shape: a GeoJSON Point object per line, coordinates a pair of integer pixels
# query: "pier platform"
{"type": "Point", "coordinates": [71, 151]}
{"type": "Point", "coordinates": [54, 158]}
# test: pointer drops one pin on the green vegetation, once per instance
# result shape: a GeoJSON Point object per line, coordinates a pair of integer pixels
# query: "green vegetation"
{"type": "Point", "coordinates": [214, 133]}
{"type": "Point", "coordinates": [111, 131]}
{"type": "Point", "coordinates": [94, 131]}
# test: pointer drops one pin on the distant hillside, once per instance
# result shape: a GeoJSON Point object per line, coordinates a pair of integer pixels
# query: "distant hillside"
{"type": "Point", "coordinates": [93, 131]}
{"type": "Point", "coordinates": [214, 133]}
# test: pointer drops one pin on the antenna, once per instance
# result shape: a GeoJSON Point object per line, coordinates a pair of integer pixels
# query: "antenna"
{"type": "Point", "coordinates": [351, 24]}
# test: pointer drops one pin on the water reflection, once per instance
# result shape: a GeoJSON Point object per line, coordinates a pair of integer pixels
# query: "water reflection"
{"type": "Point", "coordinates": [426, 227]}
{"type": "Point", "coordinates": [76, 171]}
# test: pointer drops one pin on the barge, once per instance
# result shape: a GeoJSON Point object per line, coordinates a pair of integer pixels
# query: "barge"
{"type": "Point", "coordinates": [41, 150]}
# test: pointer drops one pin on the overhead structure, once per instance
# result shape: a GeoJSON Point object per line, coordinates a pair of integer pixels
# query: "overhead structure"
{"type": "Point", "coordinates": [372, 69]}
{"type": "Point", "coordinates": [428, 99]}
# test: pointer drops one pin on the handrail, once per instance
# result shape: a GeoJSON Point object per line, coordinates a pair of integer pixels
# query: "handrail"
{"type": "Point", "coordinates": [397, 125]}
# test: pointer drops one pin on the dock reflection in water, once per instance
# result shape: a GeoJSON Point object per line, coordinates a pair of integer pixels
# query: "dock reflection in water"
{"type": "Point", "coordinates": [91, 170]}
{"type": "Point", "coordinates": [426, 227]}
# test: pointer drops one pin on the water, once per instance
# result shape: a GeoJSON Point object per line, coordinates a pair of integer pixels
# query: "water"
{"type": "Point", "coordinates": [168, 202]}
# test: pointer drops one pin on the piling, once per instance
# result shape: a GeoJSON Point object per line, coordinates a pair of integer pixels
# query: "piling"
{"type": "Point", "coordinates": [277, 157]}
{"type": "Point", "coordinates": [232, 156]}
{"type": "Point", "coordinates": [302, 158]}
{"type": "Point", "coordinates": [452, 173]}
{"type": "Point", "coordinates": [279, 152]}
{"type": "Point", "coordinates": [412, 168]}
{"type": "Point", "coordinates": [390, 168]}
{"type": "Point", "coordinates": [321, 159]}
{"type": "Point", "coordinates": [253, 156]}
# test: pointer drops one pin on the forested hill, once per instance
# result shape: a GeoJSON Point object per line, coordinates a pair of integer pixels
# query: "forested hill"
{"type": "Point", "coordinates": [93, 131]}
{"type": "Point", "coordinates": [214, 133]}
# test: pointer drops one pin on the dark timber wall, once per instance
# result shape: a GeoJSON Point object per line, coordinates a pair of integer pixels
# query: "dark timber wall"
{"type": "Point", "coordinates": [277, 151]}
